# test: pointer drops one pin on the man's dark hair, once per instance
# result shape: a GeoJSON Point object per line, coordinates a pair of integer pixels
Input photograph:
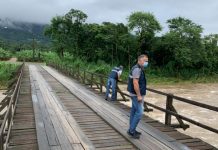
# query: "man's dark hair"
{"type": "Point", "coordinates": [141, 56]}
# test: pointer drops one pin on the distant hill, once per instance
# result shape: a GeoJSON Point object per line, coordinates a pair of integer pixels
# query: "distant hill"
{"type": "Point", "coordinates": [15, 31]}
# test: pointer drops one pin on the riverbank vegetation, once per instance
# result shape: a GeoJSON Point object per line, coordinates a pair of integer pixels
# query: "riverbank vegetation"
{"type": "Point", "coordinates": [7, 74]}
{"type": "Point", "coordinates": [154, 75]}
{"type": "Point", "coordinates": [4, 55]}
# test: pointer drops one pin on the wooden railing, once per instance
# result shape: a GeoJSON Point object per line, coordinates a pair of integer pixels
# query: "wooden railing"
{"type": "Point", "coordinates": [7, 108]}
{"type": "Point", "coordinates": [99, 81]}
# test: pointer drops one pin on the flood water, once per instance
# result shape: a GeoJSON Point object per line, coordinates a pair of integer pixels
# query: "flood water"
{"type": "Point", "coordinates": [2, 96]}
{"type": "Point", "coordinates": [204, 93]}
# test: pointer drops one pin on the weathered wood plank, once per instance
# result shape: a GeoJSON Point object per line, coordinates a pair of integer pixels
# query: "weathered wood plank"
{"type": "Point", "coordinates": [63, 140]}
{"type": "Point", "coordinates": [107, 112]}
{"type": "Point", "coordinates": [63, 120]}
{"type": "Point", "coordinates": [81, 117]}
{"type": "Point", "coordinates": [23, 133]}
{"type": "Point", "coordinates": [49, 128]}
{"type": "Point", "coordinates": [24, 147]}
{"type": "Point", "coordinates": [41, 134]}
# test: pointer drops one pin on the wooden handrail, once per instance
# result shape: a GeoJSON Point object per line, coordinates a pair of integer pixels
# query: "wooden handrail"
{"type": "Point", "coordinates": [169, 110]}
{"type": "Point", "coordinates": [8, 117]}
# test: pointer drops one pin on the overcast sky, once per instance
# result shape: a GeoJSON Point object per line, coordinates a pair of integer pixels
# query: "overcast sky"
{"type": "Point", "coordinates": [203, 12]}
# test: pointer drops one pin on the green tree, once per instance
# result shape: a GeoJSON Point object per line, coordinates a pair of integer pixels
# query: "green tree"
{"type": "Point", "coordinates": [74, 20]}
{"type": "Point", "coordinates": [145, 25]}
{"type": "Point", "coordinates": [181, 47]}
{"type": "Point", "coordinates": [57, 31]}
{"type": "Point", "coordinates": [65, 31]}
{"type": "Point", "coordinates": [211, 48]}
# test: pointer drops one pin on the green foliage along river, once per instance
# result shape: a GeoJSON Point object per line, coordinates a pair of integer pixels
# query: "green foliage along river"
{"type": "Point", "coordinates": [154, 75]}
{"type": "Point", "coordinates": [7, 73]}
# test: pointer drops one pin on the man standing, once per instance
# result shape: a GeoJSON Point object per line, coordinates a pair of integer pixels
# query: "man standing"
{"type": "Point", "coordinates": [112, 81]}
{"type": "Point", "coordinates": [137, 90]}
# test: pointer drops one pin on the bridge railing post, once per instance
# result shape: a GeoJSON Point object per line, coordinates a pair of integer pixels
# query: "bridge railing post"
{"type": "Point", "coordinates": [9, 117]}
{"type": "Point", "coordinates": [169, 104]}
{"type": "Point", "coordinates": [1, 141]}
{"type": "Point", "coordinates": [68, 70]}
{"type": "Point", "coordinates": [91, 80]}
{"type": "Point", "coordinates": [78, 73]}
{"type": "Point", "coordinates": [101, 84]}
{"type": "Point", "coordinates": [72, 72]}
{"type": "Point", "coordinates": [84, 77]}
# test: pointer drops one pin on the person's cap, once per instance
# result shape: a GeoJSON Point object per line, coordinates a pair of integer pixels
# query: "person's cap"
{"type": "Point", "coordinates": [121, 67]}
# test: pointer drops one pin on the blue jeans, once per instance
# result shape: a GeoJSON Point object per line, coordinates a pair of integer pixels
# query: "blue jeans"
{"type": "Point", "coordinates": [136, 113]}
{"type": "Point", "coordinates": [111, 83]}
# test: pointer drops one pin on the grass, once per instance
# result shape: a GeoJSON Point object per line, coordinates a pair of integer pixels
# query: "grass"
{"type": "Point", "coordinates": [4, 55]}
{"type": "Point", "coordinates": [27, 55]}
{"type": "Point", "coordinates": [7, 73]}
{"type": "Point", "coordinates": [157, 76]}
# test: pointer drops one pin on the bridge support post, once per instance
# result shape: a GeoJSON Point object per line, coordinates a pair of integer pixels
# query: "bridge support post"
{"type": "Point", "coordinates": [84, 77]}
{"type": "Point", "coordinates": [78, 74]}
{"type": "Point", "coordinates": [9, 117]}
{"type": "Point", "coordinates": [91, 80]}
{"type": "Point", "coordinates": [1, 141]}
{"type": "Point", "coordinates": [169, 104]}
{"type": "Point", "coordinates": [101, 84]}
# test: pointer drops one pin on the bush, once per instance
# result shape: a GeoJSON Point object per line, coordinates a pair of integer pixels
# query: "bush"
{"type": "Point", "coordinates": [27, 55]}
{"type": "Point", "coordinates": [156, 75]}
{"type": "Point", "coordinates": [49, 57]}
{"type": "Point", "coordinates": [4, 55]}
{"type": "Point", "coordinates": [7, 72]}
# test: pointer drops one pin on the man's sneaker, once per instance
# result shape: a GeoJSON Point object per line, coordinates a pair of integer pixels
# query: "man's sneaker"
{"type": "Point", "coordinates": [106, 98]}
{"type": "Point", "coordinates": [133, 135]}
{"type": "Point", "coordinates": [139, 133]}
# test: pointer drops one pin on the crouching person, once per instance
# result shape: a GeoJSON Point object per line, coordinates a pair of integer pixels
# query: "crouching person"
{"type": "Point", "coordinates": [114, 76]}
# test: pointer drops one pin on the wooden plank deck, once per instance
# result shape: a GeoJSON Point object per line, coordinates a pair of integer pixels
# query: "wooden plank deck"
{"type": "Point", "coordinates": [116, 117]}
{"type": "Point", "coordinates": [23, 133]}
{"type": "Point", "coordinates": [57, 129]}
{"type": "Point", "coordinates": [102, 135]}
{"type": "Point", "coordinates": [153, 127]}
{"type": "Point", "coordinates": [56, 112]}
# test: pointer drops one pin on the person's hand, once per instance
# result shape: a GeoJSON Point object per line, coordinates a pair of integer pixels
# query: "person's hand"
{"type": "Point", "coordinates": [139, 98]}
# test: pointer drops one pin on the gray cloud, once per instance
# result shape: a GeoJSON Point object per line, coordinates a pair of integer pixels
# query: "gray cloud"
{"type": "Point", "coordinates": [200, 11]}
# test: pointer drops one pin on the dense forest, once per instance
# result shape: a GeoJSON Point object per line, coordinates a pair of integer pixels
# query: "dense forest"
{"type": "Point", "coordinates": [182, 51]}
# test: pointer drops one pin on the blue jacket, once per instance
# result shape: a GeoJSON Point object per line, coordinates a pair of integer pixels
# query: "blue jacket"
{"type": "Point", "coordinates": [142, 82]}
{"type": "Point", "coordinates": [114, 73]}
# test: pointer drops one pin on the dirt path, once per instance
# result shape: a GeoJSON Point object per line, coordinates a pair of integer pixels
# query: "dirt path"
{"type": "Point", "coordinates": [205, 93]}
{"type": "Point", "coordinates": [13, 59]}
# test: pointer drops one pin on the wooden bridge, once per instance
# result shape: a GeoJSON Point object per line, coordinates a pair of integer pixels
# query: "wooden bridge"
{"type": "Point", "coordinates": [49, 110]}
